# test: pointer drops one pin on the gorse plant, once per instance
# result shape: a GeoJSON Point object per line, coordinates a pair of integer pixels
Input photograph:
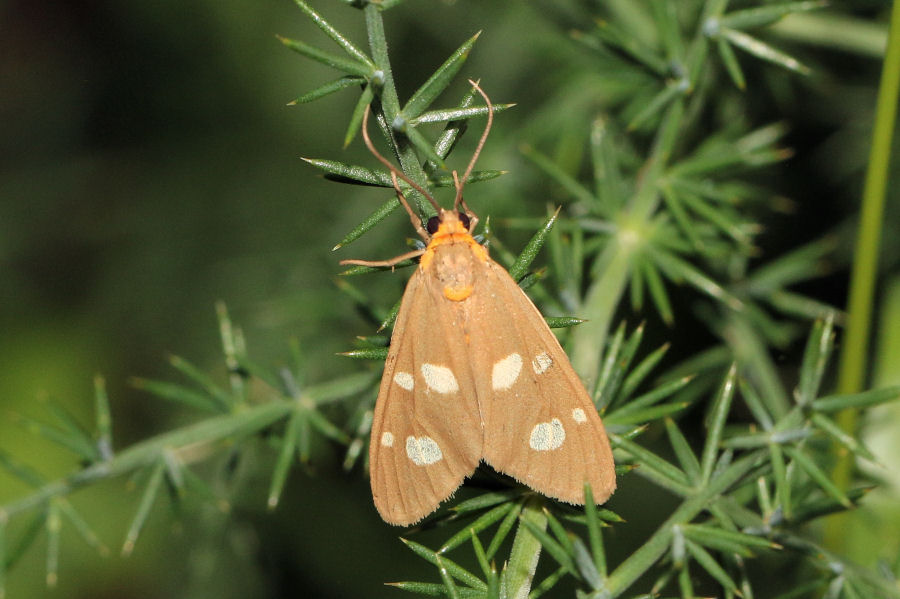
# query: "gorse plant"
{"type": "Point", "coordinates": [664, 200]}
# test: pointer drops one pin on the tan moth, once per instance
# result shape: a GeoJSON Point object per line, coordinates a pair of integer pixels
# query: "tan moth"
{"type": "Point", "coordinates": [474, 373]}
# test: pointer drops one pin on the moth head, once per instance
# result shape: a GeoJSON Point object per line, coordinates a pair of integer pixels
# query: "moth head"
{"type": "Point", "coordinates": [453, 222]}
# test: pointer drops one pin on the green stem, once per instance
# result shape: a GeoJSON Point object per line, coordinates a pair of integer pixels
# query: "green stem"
{"type": "Point", "coordinates": [526, 551]}
{"type": "Point", "coordinates": [641, 560]}
{"type": "Point", "coordinates": [612, 270]}
{"type": "Point", "coordinates": [149, 452]}
{"type": "Point", "coordinates": [598, 308]}
{"type": "Point", "coordinates": [390, 104]}
{"type": "Point", "coordinates": [865, 262]}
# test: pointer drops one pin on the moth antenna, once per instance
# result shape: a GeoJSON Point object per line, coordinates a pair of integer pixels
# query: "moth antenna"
{"type": "Point", "coordinates": [473, 219]}
{"type": "Point", "coordinates": [394, 170]}
{"type": "Point", "coordinates": [480, 145]}
{"type": "Point", "coordinates": [413, 217]}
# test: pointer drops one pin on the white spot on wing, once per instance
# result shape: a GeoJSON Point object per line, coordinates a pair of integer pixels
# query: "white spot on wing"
{"type": "Point", "coordinates": [546, 436]}
{"type": "Point", "coordinates": [439, 378]}
{"type": "Point", "coordinates": [387, 439]}
{"type": "Point", "coordinates": [423, 451]}
{"type": "Point", "coordinates": [541, 363]}
{"type": "Point", "coordinates": [405, 380]}
{"type": "Point", "coordinates": [579, 416]}
{"type": "Point", "coordinates": [506, 371]}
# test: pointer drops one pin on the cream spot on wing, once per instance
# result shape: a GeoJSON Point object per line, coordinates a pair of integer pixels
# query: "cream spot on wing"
{"type": "Point", "coordinates": [546, 436]}
{"type": "Point", "coordinates": [541, 363]}
{"type": "Point", "coordinates": [423, 451]}
{"type": "Point", "coordinates": [579, 416]}
{"type": "Point", "coordinates": [405, 380]}
{"type": "Point", "coordinates": [439, 378]}
{"type": "Point", "coordinates": [506, 371]}
{"type": "Point", "coordinates": [387, 439]}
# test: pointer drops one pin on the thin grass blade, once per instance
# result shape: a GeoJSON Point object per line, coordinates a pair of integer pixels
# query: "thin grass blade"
{"type": "Point", "coordinates": [818, 476]}
{"type": "Point", "coordinates": [764, 51]}
{"type": "Point", "coordinates": [815, 358]}
{"type": "Point", "coordinates": [178, 394]}
{"type": "Point", "coordinates": [595, 534]}
{"type": "Point", "coordinates": [503, 530]}
{"type": "Point", "coordinates": [838, 434]}
{"type": "Point", "coordinates": [657, 105]}
{"type": "Point", "coordinates": [82, 527]}
{"type": "Point", "coordinates": [78, 443]}
{"type": "Point", "coordinates": [481, 523]}
{"type": "Point", "coordinates": [369, 223]}
{"type": "Point", "coordinates": [351, 67]}
{"type": "Point", "coordinates": [340, 388]}
{"type": "Point", "coordinates": [328, 89]}
{"type": "Point", "coordinates": [654, 467]}
{"type": "Point", "coordinates": [449, 585]}
{"type": "Point", "coordinates": [721, 406]}
{"type": "Point", "coordinates": [555, 549]}
{"type": "Point", "coordinates": [452, 568]}
{"type": "Point", "coordinates": [712, 567]}
{"type": "Point", "coordinates": [102, 419]}
{"type": "Point", "coordinates": [334, 34]}
{"type": "Point", "coordinates": [421, 143]}
{"type": "Point", "coordinates": [532, 248]}
{"type": "Point", "coordinates": [356, 118]}
{"type": "Point", "coordinates": [439, 81]}
{"type": "Point", "coordinates": [686, 458]}
{"type": "Point", "coordinates": [285, 458]}
{"type": "Point", "coordinates": [834, 403]}
{"type": "Point", "coordinates": [143, 511]}
{"type": "Point", "coordinates": [445, 115]}
{"type": "Point", "coordinates": [766, 15]}
{"type": "Point", "coordinates": [558, 175]}
{"type": "Point", "coordinates": [653, 397]}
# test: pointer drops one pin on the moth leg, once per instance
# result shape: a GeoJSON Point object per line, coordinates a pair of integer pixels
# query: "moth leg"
{"type": "Point", "coordinates": [392, 262]}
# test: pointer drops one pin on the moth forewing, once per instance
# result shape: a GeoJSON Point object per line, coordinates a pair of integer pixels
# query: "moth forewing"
{"type": "Point", "coordinates": [473, 372]}
{"type": "Point", "coordinates": [540, 426]}
{"type": "Point", "coordinates": [426, 432]}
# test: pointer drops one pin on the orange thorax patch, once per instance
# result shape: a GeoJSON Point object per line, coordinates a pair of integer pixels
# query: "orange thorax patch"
{"type": "Point", "coordinates": [451, 257]}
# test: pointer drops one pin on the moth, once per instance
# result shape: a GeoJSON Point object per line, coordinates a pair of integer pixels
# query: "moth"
{"type": "Point", "coordinates": [474, 373]}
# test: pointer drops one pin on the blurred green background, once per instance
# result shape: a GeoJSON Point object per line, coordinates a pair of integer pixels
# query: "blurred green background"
{"type": "Point", "coordinates": [150, 166]}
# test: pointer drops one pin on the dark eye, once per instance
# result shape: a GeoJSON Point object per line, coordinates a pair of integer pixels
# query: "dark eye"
{"type": "Point", "coordinates": [432, 225]}
{"type": "Point", "coordinates": [464, 219]}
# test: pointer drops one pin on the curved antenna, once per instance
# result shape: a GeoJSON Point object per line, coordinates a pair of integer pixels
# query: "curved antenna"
{"type": "Point", "coordinates": [487, 129]}
{"type": "Point", "coordinates": [394, 170]}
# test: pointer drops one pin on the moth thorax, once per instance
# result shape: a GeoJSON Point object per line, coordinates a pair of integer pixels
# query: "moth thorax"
{"type": "Point", "coordinates": [454, 267]}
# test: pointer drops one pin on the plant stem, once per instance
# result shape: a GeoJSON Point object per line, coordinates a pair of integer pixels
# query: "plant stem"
{"type": "Point", "coordinates": [865, 263]}
{"type": "Point", "coordinates": [641, 560]}
{"type": "Point", "coordinates": [149, 451]}
{"type": "Point", "coordinates": [612, 270]}
{"type": "Point", "coordinates": [589, 338]}
{"type": "Point", "coordinates": [390, 105]}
